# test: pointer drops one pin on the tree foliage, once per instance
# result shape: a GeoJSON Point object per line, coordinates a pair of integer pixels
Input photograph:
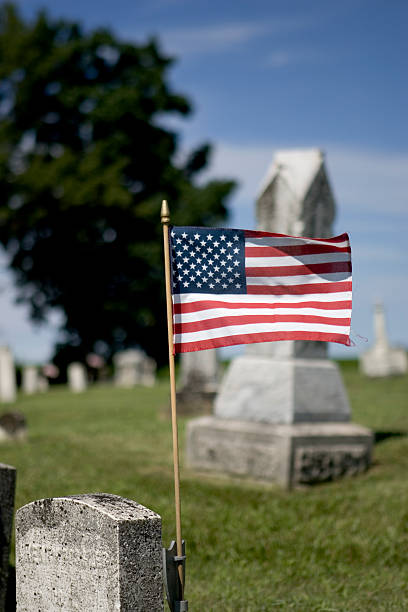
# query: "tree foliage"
{"type": "Point", "coordinates": [85, 160]}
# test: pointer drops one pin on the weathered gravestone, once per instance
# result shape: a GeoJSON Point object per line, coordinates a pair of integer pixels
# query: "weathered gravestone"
{"type": "Point", "coordinates": [383, 359]}
{"type": "Point", "coordinates": [134, 367]}
{"type": "Point", "coordinates": [7, 376]}
{"type": "Point", "coordinates": [198, 382]}
{"type": "Point", "coordinates": [30, 380]}
{"type": "Point", "coordinates": [148, 372]}
{"type": "Point", "coordinates": [7, 490]}
{"type": "Point", "coordinates": [88, 553]}
{"type": "Point", "coordinates": [77, 381]}
{"type": "Point", "coordinates": [282, 411]}
{"type": "Point", "coordinates": [13, 426]}
{"type": "Point", "coordinates": [42, 384]}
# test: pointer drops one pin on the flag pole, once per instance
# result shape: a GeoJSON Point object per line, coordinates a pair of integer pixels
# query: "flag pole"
{"type": "Point", "coordinates": [165, 219]}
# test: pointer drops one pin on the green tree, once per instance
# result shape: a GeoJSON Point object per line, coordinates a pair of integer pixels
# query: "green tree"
{"type": "Point", "coordinates": [85, 160]}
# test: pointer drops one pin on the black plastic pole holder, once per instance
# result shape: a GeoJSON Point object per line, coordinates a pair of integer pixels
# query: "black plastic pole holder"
{"type": "Point", "coordinates": [172, 585]}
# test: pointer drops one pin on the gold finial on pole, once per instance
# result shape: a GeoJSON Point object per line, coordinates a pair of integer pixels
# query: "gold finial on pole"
{"type": "Point", "coordinates": [165, 212]}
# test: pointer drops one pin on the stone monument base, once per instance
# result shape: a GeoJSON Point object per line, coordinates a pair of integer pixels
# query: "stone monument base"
{"type": "Point", "coordinates": [386, 362]}
{"type": "Point", "coordinates": [289, 455]}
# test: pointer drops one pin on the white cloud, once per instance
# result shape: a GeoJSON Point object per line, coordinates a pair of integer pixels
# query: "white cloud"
{"type": "Point", "coordinates": [212, 38]}
{"type": "Point", "coordinates": [280, 58]}
{"type": "Point", "coordinates": [246, 164]}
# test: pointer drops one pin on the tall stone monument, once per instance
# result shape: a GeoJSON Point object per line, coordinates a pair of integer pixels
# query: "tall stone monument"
{"type": "Point", "coordinates": [7, 376]}
{"type": "Point", "coordinates": [198, 381]}
{"type": "Point", "coordinates": [91, 553]}
{"type": "Point", "coordinates": [382, 359]}
{"type": "Point", "coordinates": [282, 412]}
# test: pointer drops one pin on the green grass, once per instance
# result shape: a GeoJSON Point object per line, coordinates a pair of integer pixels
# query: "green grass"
{"type": "Point", "coordinates": [340, 546]}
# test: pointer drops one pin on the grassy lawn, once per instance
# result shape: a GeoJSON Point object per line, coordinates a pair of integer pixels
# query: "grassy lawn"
{"type": "Point", "coordinates": [340, 546]}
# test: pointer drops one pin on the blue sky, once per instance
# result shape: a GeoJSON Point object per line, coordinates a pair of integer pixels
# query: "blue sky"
{"type": "Point", "coordinates": [266, 75]}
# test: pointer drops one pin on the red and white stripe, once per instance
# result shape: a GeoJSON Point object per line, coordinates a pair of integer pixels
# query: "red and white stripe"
{"type": "Point", "coordinates": [297, 289]}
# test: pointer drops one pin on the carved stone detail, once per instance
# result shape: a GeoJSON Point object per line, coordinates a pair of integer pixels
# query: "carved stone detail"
{"type": "Point", "coordinates": [322, 463]}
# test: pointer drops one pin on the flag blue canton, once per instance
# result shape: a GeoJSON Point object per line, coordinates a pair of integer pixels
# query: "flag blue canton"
{"type": "Point", "coordinates": [207, 260]}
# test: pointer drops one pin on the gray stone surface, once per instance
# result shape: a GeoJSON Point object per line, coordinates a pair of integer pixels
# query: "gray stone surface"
{"type": "Point", "coordinates": [295, 199]}
{"type": "Point", "coordinates": [7, 376]}
{"type": "Point", "coordinates": [289, 455]}
{"type": "Point", "coordinates": [7, 490]}
{"type": "Point", "coordinates": [30, 380]}
{"type": "Point", "coordinates": [263, 389]}
{"type": "Point", "coordinates": [383, 360]}
{"type": "Point", "coordinates": [148, 372]}
{"type": "Point", "coordinates": [42, 384]}
{"type": "Point", "coordinates": [134, 367]}
{"type": "Point", "coordinates": [77, 380]}
{"type": "Point", "coordinates": [199, 371]}
{"type": "Point", "coordinates": [88, 553]}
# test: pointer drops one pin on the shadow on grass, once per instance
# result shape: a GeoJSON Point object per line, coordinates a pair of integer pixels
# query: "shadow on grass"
{"type": "Point", "coordinates": [380, 436]}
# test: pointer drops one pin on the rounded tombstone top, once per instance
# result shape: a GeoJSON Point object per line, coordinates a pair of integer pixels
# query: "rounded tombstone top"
{"type": "Point", "coordinates": [113, 507]}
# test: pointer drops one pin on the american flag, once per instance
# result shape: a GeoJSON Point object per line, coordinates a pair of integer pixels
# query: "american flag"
{"type": "Point", "coordinates": [234, 286]}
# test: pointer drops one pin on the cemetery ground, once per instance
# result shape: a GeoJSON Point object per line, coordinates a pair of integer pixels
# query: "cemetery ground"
{"type": "Point", "coordinates": [339, 546]}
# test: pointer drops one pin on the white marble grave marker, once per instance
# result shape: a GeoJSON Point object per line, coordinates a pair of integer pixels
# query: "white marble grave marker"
{"type": "Point", "coordinates": [30, 380]}
{"type": "Point", "coordinates": [7, 376]}
{"type": "Point", "coordinates": [77, 377]}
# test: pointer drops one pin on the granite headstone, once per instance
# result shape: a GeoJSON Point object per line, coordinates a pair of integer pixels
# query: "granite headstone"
{"type": "Point", "coordinates": [93, 553]}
